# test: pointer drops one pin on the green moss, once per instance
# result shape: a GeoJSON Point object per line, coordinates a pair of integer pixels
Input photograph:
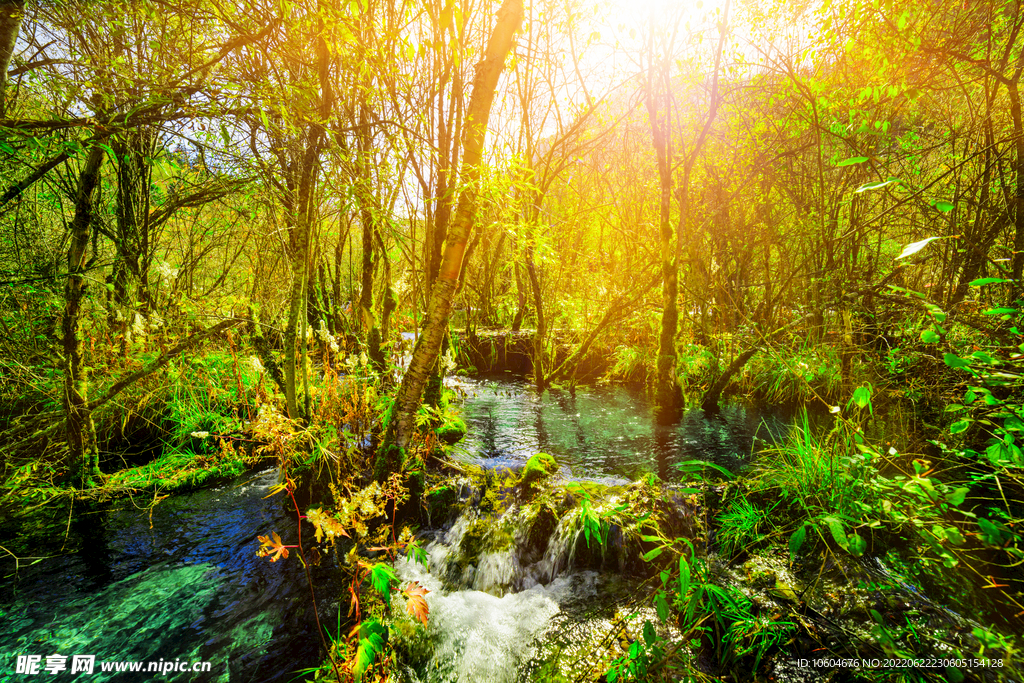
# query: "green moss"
{"type": "Point", "coordinates": [441, 501]}
{"type": "Point", "coordinates": [540, 466]}
{"type": "Point", "coordinates": [179, 470]}
{"type": "Point", "coordinates": [390, 458]}
{"type": "Point", "coordinates": [483, 536]}
{"type": "Point", "coordinates": [415, 480]}
{"type": "Point", "coordinates": [452, 430]}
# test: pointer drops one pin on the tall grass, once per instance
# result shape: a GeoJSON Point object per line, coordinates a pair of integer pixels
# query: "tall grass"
{"type": "Point", "coordinates": [212, 394]}
{"type": "Point", "coordinates": [794, 375]}
{"type": "Point", "coordinates": [817, 476]}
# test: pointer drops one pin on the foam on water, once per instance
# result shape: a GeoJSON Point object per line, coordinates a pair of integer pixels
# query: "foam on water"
{"type": "Point", "coordinates": [480, 637]}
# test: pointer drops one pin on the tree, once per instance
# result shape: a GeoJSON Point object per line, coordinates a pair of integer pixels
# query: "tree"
{"type": "Point", "coordinates": [11, 13]}
{"type": "Point", "coordinates": [428, 347]}
{"type": "Point", "coordinates": [659, 99]}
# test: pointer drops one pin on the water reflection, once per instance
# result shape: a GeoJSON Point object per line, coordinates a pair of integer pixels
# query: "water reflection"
{"type": "Point", "coordinates": [605, 432]}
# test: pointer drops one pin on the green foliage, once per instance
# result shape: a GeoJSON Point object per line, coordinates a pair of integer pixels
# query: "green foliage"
{"type": "Point", "coordinates": [382, 576]}
{"type": "Point", "coordinates": [797, 375]}
{"type": "Point", "coordinates": [698, 367]}
{"type": "Point", "coordinates": [591, 523]}
{"type": "Point", "coordinates": [452, 429]}
{"type": "Point", "coordinates": [641, 658]}
{"type": "Point", "coordinates": [373, 637]}
{"type": "Point", "coordinates": [210, 396]}
{"type": "Point", "coordinates": [632, 363]}
{"type": "Point", "coordinates": [743, 525]}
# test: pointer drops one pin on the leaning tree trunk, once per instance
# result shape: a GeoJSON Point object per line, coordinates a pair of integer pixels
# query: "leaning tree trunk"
{"type": "Point", "coordinates": [11, 12]}
{"type": "Point", "coordinates": [425, 354]}
{"type": "Point", "coordinates": [84, 457]}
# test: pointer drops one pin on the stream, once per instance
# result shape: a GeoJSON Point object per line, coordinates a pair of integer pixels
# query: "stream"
{"type": "Point", "coordinates": [189, 588]}
{"type": "Point", "coordinates": [183, 584]}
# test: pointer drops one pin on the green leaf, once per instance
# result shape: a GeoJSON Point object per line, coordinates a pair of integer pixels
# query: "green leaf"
{"type": "Point", "coordinates": [983, 357]}
{"type": "Point", "coordinates": [874, 186]}
{"type": "Point", "coordinates": [415, 553]}
{"type": "Point", "coordinates": [650, 555]}
{"type": "Point", "coordinates": [838, 532]}
{"type": "Point", "coordinates": [959, 426]}
{"type": "Point", "coordinates": [862, 398]}
{"type": "Point", "coordinates": [695, 467]}
{"type": "Point", "coordinates": [684, 576]}
{"type": "Point", "coordinates": [372, 638]}
{"type": "Point", "coordinates": [381, 577]}
{"type": "Point", "coordinates": [987, 281]}
{"type": "Point", "coordinates": [661, 606]}
{"type": "Point", "coordinates": [650, 637]}
{"type": "Point", "coordinates": [915, 247]}
{"type": "Point", "coordinates": [955, 361]}
{"type": "Point", "coordinates": [856, 545]}
{"type": "Point", "coordinates": [930, 337]}
{"type": "Point", "coordinates": [943, 206]}
{"type": "Point", "coordinates": [796, 541]}
{"type": "Point", "coordinates": [851, 161]}
{"type": "Point", "coordinates": [999, 311]}
{"type": "Point", "coordinates": [953, 535]}
{"type": "Point", "coordinates": [954, 675]}
{"type": "Point", "coordinates": [935, 311]}
{"type": "Point", "coordinates": [991, 533]}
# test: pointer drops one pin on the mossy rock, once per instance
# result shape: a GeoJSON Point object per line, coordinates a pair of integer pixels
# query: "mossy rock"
{"type": "Point", "coordinates": [441, 503]}
{"type": "Point", "coordinates": [538, 468]}
{"type": "Point", "coordinates": [452, 430]}
{"type": "Point", "coordinates": [542, 526]}
{"type": "Point", "coordinates": [482, 536]}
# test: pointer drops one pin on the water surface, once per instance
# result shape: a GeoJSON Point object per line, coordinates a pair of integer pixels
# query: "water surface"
{"type": "Point", "coordinates": [190, 588]}
{"type": "Point", "coordinates": [604, 432]}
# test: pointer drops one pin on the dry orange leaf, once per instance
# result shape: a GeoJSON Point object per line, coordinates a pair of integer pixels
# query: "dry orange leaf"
{"type": "Point", "coordinates": [417, 604]}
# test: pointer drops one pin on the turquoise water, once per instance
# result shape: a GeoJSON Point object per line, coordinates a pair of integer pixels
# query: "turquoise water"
{"type": "Point", "coordinates": [187, 586]}
{"type": "Point", "coordinates": [190, 588]}
{"type": "Point", "coordinates": [604, 432]}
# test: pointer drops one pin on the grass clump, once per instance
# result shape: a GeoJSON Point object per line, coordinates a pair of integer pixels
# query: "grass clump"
{"type": "Point", "coordinates": [744, 525]}
{"type": "Point", "coordinates": [794, 376]}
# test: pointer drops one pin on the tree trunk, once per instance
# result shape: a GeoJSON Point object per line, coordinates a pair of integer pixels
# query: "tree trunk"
{"type": "Point", "coordinates": [301, 219]}
{"type": "Point", "coordinates": [668, 395]}
{"type": "Point", "coordinates": [539, 337]}
{"type": "Point", "coordinates": [710, 403]}
{"type": "Point", "coordinates": [80, 434]}
{"type": "Point", "coordinates": [131, 244]}
{"type": "Point", "coordinates": [1018, 203]}
{"type": "Point", "coordinates": [11, 13]}
{"type": "Point", "coordinates": [425, 354]}
{"type": "Point", "coordinates": [517, 321]}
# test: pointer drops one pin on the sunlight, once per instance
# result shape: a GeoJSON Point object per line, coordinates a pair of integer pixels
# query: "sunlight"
{"type": "Point", "coordinates": [518, 306]}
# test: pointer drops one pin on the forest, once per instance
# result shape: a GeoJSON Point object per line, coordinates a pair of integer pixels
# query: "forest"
{"type": "Point", "coordinates": [512, 340]}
